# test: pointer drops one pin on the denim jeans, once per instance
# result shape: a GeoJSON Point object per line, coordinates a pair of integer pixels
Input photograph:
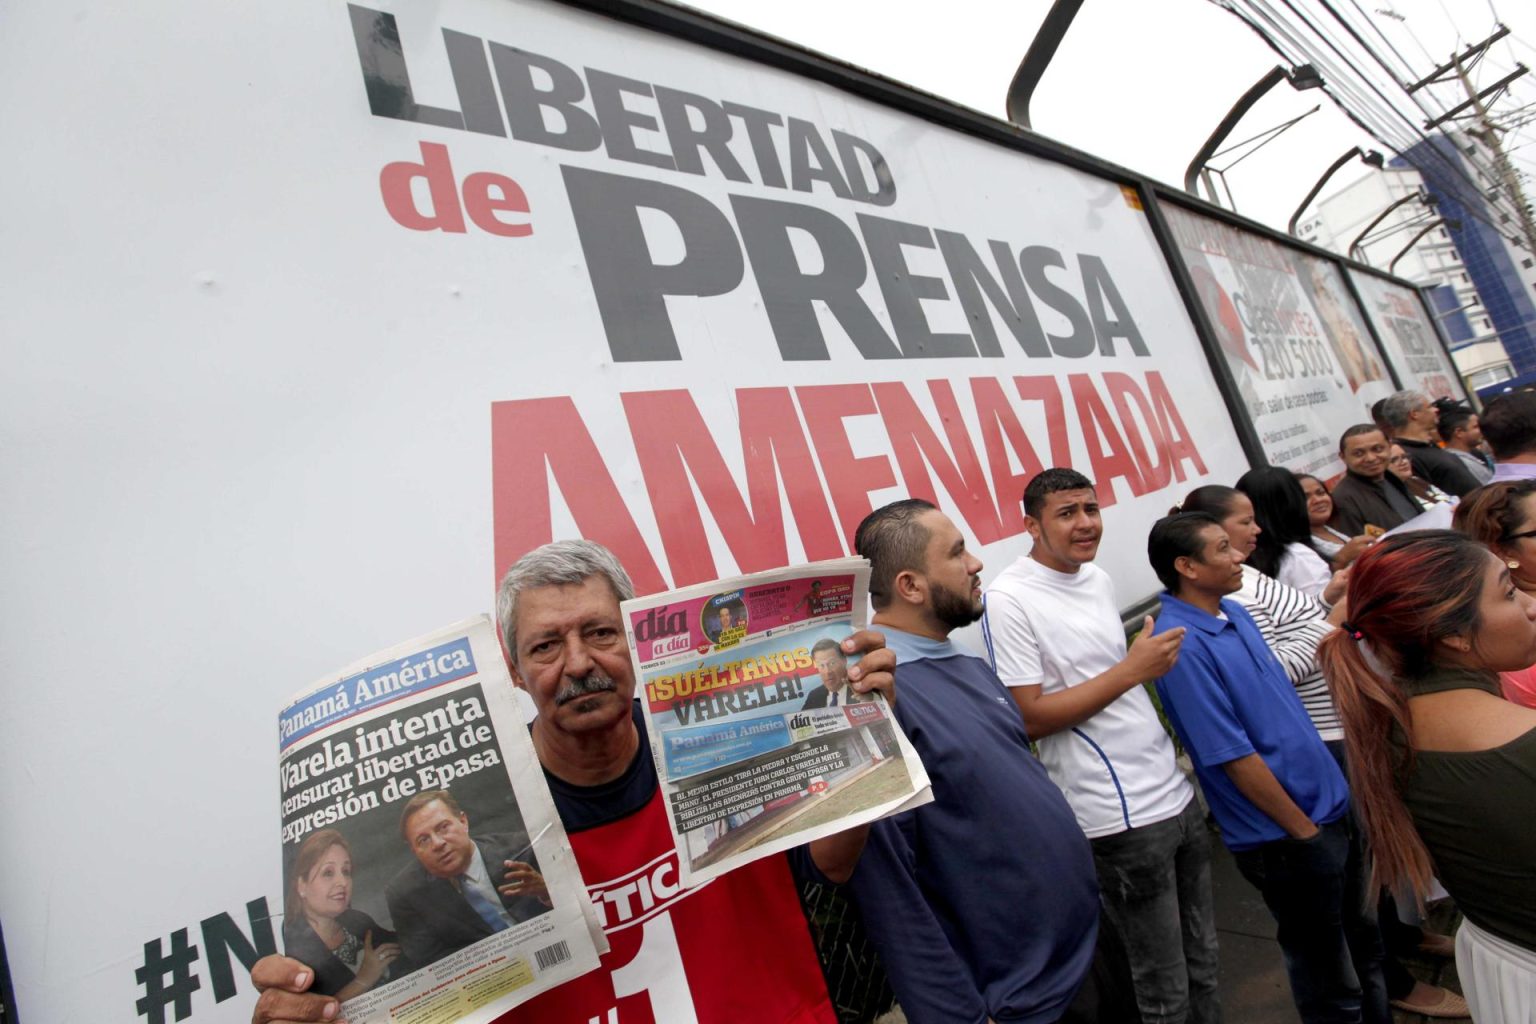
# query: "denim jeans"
{"type": "Point", "coordinates": [1315, 889]}
{"type": "Point", "coordinates": [1155, 882]}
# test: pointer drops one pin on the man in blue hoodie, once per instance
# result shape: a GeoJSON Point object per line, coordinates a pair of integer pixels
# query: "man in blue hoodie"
{"type": "Point", "coordinates": [983, 904]}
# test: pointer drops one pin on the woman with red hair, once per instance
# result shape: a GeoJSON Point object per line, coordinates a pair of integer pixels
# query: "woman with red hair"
{"type": "Point", "coordinates": [1442, 768]}
{"type": "Point", "coordinates": [1502, 518]}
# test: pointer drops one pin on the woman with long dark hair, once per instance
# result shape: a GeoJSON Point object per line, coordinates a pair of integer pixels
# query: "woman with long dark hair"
{"type": "Point", "coordinates": [1338, 547]}
{"type": "Point", "coordinates": [1285, 550]}
{"type": "Point", "coordinates": [1442, 768]}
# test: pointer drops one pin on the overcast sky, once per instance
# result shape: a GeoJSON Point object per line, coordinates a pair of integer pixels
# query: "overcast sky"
{"type": "Point", "coordinates": [1143, 82]}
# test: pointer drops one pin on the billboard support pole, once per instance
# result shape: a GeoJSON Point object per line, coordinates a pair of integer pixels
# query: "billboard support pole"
{"type": "Point", "coordinates": [1022, 89]}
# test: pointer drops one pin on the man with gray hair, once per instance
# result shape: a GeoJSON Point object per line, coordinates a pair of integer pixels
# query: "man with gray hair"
{"type": "Point", "coordinates": [735, 948]}
{"type": "Point", "coordinates": [1412, 419]}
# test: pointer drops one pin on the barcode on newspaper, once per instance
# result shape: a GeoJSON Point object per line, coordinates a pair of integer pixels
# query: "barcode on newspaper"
{"type": "Point", "coordinates": [547, 957]}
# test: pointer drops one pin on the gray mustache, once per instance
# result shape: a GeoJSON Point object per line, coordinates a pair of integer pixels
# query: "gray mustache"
{"type": "Point", "coordinates": [593, 682]}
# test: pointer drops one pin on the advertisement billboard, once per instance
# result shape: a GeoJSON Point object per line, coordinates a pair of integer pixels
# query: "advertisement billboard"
{"type": "Point", "coordinates": [1300, 354]}
{"type": "Point", "coordinates": [1413, 346]}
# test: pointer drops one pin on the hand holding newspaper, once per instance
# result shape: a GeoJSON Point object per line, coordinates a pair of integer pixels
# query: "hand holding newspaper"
{"type": "Point", "coordinates": [427, 877]}
{"type": "Point", "coordinates": [760, 742]}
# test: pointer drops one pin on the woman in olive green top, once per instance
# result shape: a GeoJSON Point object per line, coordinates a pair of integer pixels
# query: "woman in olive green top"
{"type": "Point", "coordinates": [1442, 768]}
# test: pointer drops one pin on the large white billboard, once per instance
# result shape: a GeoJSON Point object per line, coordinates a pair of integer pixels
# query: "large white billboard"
{"type": "Point", "coordinates": [316, 315]}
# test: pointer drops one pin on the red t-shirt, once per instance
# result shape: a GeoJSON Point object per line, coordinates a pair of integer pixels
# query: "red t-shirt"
{"type": "Point", "coordinates": [1520, 687]}
{"type": "Point", "coordinates": [734, 950]}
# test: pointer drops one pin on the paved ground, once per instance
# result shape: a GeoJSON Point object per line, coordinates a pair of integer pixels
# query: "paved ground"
{"type": "Point", "coordinates": [1253, 985]}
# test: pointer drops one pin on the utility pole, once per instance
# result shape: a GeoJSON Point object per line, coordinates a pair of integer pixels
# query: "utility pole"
{"type": "Point", "coordinates": [1488, 131]}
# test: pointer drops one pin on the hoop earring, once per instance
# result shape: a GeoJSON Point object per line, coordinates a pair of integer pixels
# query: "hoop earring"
{"type": "Point", "coordinates": [1513, 563]}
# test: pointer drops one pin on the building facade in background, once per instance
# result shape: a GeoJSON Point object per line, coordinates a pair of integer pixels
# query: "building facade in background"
{"type": "Point", "coordinates": [1483, 285]}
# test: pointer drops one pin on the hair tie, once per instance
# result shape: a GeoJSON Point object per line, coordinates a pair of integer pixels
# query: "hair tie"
{"type": "Point", "coordinates": [1354, 634]}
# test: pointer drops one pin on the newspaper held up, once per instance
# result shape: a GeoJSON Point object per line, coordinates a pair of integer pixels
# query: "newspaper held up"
{"type": "Point", "coordinates": [760, 743]}
{"type": "Point", "coordinates": [427, 878]}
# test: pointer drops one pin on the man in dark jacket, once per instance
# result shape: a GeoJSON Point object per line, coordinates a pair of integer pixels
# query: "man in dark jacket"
{"type": "Point", "coordinates": [1412, 418]}
{"type": "Point", "coordinates": [461, 888]}
{"type": "Point", "coordinates": [1461, 433]}
{"type": "Point", "coordinates": [1367, 495]}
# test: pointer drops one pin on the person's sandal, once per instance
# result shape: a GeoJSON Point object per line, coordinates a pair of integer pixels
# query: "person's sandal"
{"type": "Point", "coordinates": [1447, 1004]}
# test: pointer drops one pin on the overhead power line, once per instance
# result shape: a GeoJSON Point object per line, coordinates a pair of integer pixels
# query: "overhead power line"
{"type": "Point", "coordinates": [1378, 101]}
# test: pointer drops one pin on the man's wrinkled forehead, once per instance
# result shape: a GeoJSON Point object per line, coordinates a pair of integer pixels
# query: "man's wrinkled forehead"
{"type": "Point", "coordinates": [554, 607]}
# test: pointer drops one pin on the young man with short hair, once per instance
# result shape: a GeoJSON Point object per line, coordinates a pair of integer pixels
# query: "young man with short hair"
{"type": "Point", "coordinates": [1462, 435]}
{"type": "Point", "coordinates": [1273, 787]}
{"type": "Point", "coordinates": [1054, 635]}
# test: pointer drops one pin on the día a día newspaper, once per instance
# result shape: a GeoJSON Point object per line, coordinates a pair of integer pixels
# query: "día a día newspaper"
{"type": "Point", "coordinates": [427, 878]}
{"type": "Point", "coordinates": [760, 742]}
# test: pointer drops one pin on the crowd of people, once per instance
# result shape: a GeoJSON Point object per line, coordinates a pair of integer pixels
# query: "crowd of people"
{"type": "Point", "coordinates": [1358, 705]}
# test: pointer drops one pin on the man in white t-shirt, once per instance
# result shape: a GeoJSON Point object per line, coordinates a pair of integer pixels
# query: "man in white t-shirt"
{"type": "Point", "coordinates": [1054, 635]}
